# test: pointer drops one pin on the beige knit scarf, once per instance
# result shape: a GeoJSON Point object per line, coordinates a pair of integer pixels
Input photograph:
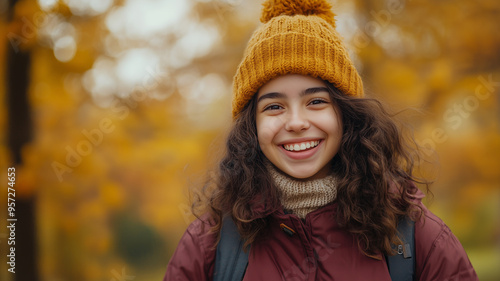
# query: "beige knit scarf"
{"type": "Point", "coordinates": [302, 197]}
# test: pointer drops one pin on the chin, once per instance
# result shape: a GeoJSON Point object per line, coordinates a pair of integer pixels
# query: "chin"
{"type": "Point", "coordinates": [302, 175]}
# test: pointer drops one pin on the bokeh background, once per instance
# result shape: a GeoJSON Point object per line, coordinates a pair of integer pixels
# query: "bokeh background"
{"type": "Point", "coordinates": [111, 110]}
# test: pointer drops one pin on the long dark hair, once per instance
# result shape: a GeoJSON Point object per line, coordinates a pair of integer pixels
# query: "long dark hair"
{"type": "Point", "coordinates": [374, 167]}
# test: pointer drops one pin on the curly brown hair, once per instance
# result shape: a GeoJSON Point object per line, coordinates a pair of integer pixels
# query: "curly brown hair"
{"type": "Point", "coordinates": [374, 167]}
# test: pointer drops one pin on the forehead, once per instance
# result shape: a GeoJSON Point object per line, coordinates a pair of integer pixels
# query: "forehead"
{"type": "Point", "coordinates": [290, 83]}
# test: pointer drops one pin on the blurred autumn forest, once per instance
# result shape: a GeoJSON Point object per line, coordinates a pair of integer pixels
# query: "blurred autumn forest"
{"type": "Point", "coordinates": [112, 109]}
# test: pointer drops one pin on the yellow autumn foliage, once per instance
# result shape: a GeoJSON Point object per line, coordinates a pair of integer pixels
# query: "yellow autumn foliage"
{"type": "Point", "coordinates": [123, 130]}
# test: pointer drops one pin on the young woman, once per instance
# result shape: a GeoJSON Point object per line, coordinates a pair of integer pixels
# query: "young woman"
{"type": "Point", "coordinates": [315, 176]}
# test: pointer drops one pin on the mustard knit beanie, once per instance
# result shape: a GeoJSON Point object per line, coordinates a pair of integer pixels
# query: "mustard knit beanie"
{"type": "Point", "coordinates": [296, 37]}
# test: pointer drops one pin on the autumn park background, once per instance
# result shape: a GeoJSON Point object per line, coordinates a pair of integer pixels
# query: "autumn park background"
{"type": "Point", "coordinates": [110, 110]}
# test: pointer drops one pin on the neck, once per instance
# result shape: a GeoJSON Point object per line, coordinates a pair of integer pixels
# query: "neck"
{"type": "Point", "coordinates": [303, 196]}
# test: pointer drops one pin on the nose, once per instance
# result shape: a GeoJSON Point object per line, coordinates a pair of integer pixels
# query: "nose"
{"type": "Point", "coordinates": [297, 121]}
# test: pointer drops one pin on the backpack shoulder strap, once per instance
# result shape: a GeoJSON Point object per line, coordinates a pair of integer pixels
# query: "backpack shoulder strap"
{"type": "Point", "coordinates": [230, 259]}
{"type": "Point", "coordinates": [402, 265]}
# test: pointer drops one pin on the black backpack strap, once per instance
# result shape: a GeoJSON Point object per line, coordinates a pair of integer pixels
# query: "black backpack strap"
{"type": "Point", "coordinates": [402, 265]}
{"type": "Point", "coordinates": [230, 259]}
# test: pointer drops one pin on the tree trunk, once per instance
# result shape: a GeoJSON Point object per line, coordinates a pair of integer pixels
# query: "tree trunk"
{"type": "Point", "coordinates": [19, 132]}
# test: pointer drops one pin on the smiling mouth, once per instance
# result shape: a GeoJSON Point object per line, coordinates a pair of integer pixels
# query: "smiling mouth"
{"type": "Point", "coordinates": [301, 146]}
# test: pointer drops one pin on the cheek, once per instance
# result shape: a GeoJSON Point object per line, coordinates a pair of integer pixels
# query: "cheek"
{"type": "Point", "coordinates": [337, 128]}
{"type": "Point", "coordinates": [331, 123]}
{"type": "Point", "coordinates": [267, 128]}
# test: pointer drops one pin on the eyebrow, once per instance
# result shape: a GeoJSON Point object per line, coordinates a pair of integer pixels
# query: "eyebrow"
{"type": "Point", "coordinates": [308, 91]}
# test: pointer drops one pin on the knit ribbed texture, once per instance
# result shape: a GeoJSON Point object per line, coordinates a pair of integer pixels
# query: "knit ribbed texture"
{"type": "Point", "coordinates": [297, 37]}
{"type": "Point", "coordinates": [303, 197]}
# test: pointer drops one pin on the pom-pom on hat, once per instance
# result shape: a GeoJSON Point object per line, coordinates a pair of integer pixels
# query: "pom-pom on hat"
{"type": "Point", "coordinates": [296, 37]}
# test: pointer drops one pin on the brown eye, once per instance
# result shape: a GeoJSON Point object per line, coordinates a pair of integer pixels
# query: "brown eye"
{"type": "Point", "coordinates": [273, 107]}
{"type": "Point", "coordinates": [318, 101]}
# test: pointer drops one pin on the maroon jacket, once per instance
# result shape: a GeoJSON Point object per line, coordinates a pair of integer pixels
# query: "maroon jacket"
{"type": "Point", "coordinates": [321, 250]}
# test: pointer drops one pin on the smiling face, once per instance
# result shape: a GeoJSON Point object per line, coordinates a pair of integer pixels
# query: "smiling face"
{"type": "Point", "coordinates": [299, 127]}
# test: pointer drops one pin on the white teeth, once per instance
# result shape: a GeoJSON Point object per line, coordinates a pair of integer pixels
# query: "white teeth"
{"type": "Point", "coordinates": [301, 146]}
